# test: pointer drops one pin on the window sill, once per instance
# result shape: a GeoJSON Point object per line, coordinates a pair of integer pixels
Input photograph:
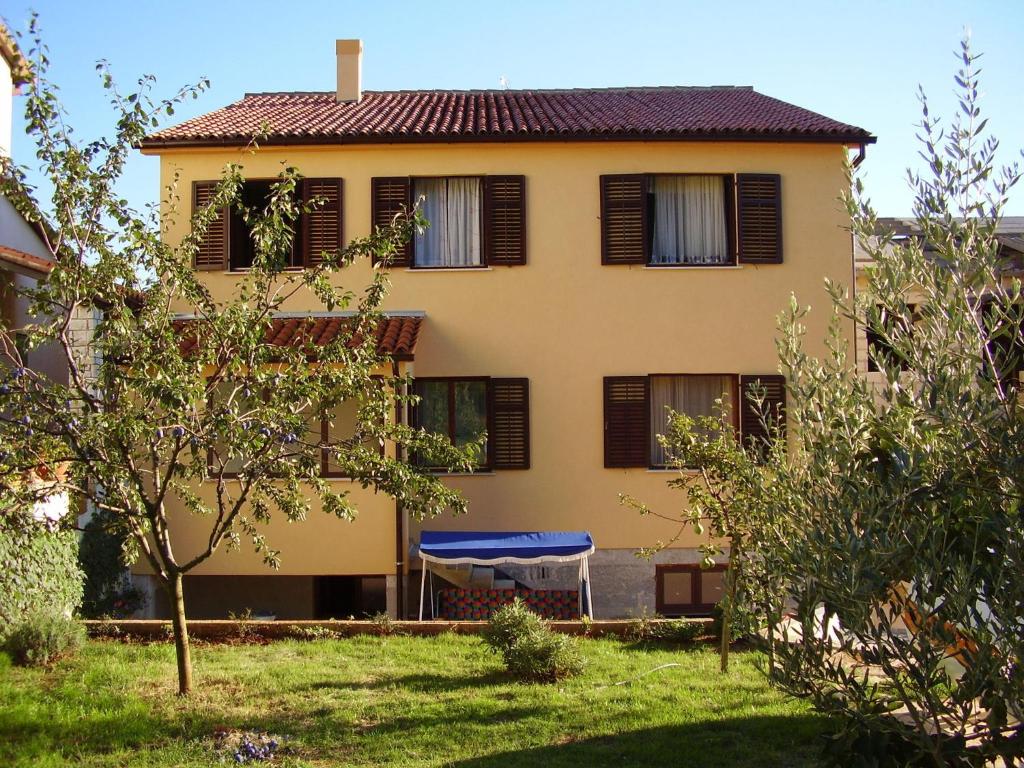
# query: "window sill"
{"type": "Point", "coordinates": [481, 473]}
{"type": "Point", "coordinates": [449, 269]}
{"type": "Point", "coordinates": [660, 267]}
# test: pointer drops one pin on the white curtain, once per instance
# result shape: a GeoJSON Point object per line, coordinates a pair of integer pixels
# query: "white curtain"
{"type": "Point", "coordinates": [693, 395]}
{"type": "Point", "coordinates": [689, 220]}
{"type": "Point", "coordinates": [452, 206]}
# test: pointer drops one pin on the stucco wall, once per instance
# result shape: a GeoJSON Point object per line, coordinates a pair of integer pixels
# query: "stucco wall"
{"type": "Point", "coordinates": [564, 320]}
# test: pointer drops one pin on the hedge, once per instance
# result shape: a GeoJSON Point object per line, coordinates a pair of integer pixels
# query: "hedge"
{"type": "Point", "coordinates": [38, 571]}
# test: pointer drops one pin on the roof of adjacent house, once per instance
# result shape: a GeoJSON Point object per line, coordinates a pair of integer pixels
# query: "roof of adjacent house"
{"type": "Point", "coordinates": [676, 113]}
{"type": "Point", "coordinates": [20, 261]}
{"type": "Point", "coordinates": [21, 70]}
{"type": "Point", "coordinates": [396, 334]}
{"type": "Point", "coordinates": [1009, 234]}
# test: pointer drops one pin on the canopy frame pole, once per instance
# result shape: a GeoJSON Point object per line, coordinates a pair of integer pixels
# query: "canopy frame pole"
{"type": "Point", "coordinates": [579, 596]}
{"type": "Point", "coordinates": [433, 611]}
{"type": "Point", "coordinates": [423, 586]}
{"type": "Point", "coordinates": [590, 599]}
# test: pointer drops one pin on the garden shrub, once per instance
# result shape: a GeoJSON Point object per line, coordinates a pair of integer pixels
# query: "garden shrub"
{"type": "Point", "coordinates": [107, 590]}
{"type": "Point", "coordinates": [529, 649]}
{"type": "Point", "coordinates": [38, 570]}
{"type": "Point", "coordinates": [41, 638]}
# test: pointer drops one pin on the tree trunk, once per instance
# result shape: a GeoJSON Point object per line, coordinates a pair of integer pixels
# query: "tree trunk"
{"type": "Point", "coordinates": [730, 597]}
{"type": "Point", "coordinates": [181, 646]}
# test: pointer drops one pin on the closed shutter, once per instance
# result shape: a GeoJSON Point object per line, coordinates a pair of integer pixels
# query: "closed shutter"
{"type": "Point", "coordinates": [509, 441]}
{"type": "Point", "coordinates": [627, 417]}
{"type": "Point", "coordinates": [759, 218]}
{"type": "Point", "coordinates": [624, 226]}
{"type": "Point", "coordinates": [505, 212]}
{"type": "Point", "coordinates": [212, 252]}
{"type": "Point", "coordinates": [756, 436]}
{"type": "Point", "coordinates": [322, 227]}
{"type": "Point", "coordinates": [390, 195]}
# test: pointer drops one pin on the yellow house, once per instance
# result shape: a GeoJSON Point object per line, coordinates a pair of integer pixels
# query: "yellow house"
{"type": "Point", "coordinates": [594, 256]}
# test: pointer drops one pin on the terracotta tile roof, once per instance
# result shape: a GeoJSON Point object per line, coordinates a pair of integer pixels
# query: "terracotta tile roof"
{"type": "Point", "coordinates": [25, 261]}
{"type": "Point", "coordinates": [666, 113]}
{"type": "Point", "coordinates": [396, 335]}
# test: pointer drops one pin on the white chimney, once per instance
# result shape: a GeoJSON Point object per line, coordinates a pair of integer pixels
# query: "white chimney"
{"type": "Point", "coordinates": [350, 66]}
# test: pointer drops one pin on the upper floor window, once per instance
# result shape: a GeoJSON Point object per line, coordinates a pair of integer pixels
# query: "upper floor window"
{"type": "Point", "coordinates": [454, 209]}
{"type": "Point", "coordinates": [691, 220]}
{"type": "Point", "coordinates": [475, 221]}
{"type": "Point", "coordinates": [228, 241]}
{"type": "Point", "coordinates": [636, 411]}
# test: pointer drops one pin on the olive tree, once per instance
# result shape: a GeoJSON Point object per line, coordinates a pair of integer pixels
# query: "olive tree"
{"type": "Point", "coordinates": [886, 556]}
{"type": "Point", "coordinates": [177, 399]}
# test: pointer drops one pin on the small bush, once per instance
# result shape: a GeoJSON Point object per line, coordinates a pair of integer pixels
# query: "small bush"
{"type": "Point", "coordinates": [41, 639]}
{"type": "Point", "coordinates": [530, 650]}
{"type": "Point", "coordinates": [509, 623]}
{"type": "Point", "coordinates": [653, 628]}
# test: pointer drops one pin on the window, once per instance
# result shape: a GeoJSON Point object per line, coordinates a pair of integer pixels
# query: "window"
{"type": "Point", "coordinates": [228, 243]}
{"type": "Point", "coordinates": [688, 590]}
{"type": "Point", "coordinates": [692, 220]}
{"type": "Point", "coordinates": [688, 220]}
{"type": "Point", "coordinates": [635, 411]}
{"type": "Point", "coordinates": [880, 351]}
{"type": "Point", "coordinates": [693, 395]}
{"type": "Point", "coordinates": [455, 408]}
{"type": "Point", "coordinates": [466, 409]}
{"type": "Point", "coordinates": [454, 209]}
{"type": "Point", "coordinates": [475, 221]}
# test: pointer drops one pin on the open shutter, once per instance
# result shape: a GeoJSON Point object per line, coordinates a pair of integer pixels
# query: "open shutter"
{"type": "Point", "coordinates": [322, 228]}
{"type": "Point", "coordinates": [627, 421]}
{"type": "Point", "coordinates": [509, 441]}
{"type": "Point", "coordinates": [505, 215]}
{"type": "Point", "coordinates": [759, 217]}
{"type": "Point", "coordinates": [624, 219]}
{"type": "Point", "coordinates": [390, 195]}
{"type": "Point", "coordinates": [212, 253]}
{"type": "Point", "coordinates": [773, 387]}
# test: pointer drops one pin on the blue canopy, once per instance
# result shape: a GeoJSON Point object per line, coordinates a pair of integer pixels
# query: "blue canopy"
{"type": "Point", "coordinates": [488, 548]}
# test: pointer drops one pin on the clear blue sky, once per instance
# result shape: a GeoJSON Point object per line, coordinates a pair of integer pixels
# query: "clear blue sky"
{"type": "Point", "coordinates": [857, 62]}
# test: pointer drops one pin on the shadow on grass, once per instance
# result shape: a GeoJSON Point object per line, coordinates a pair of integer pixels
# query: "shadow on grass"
{"type": "Point", "coordinates": [751, 742]}
{"type": "Point", "coordinates": [420, 683]}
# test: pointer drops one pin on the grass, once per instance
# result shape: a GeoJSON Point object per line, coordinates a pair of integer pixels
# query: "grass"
{"type": "Point", "coordinates": [400, 701]}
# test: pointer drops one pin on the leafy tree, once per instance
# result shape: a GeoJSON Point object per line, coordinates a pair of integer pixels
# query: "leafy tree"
{"type": "Point", "coordinates": [891, 525]}
{"type": "Point", "coordinates": [204, 413]}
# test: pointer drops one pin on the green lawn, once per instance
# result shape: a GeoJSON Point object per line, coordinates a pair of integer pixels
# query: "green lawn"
{"type": "Point", "coordinates": [400, 701]}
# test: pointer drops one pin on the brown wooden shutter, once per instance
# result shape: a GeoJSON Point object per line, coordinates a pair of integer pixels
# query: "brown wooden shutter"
{"type": "Point", "coordinates": [212, 253]}
{"type": "Point", "coordinates": [509, 441]}
{"type": "Point", "coordinates": [505, 216]}
{"type": "Point", "coordinates": [624, 237]}
{"type": "Point", "coordinates": [322, 228]}
{"type": "Point", "coordinates": [759, 217]}
{"type": "Point", "coordinates": [627, 421]}
{"type": "Point", "coordinates": [390, 195]}
{"type": "Point", "coordinates": [755, 436]}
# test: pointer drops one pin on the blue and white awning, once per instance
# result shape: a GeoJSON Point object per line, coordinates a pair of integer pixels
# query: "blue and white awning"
{"type": "Point", "coordinates": [491, 548]}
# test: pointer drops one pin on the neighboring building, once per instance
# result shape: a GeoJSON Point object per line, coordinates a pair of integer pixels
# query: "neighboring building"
{"type": "Point", "coordinates": [594, 256]}
{"type": "Point", "coordinates": [1009, 235]}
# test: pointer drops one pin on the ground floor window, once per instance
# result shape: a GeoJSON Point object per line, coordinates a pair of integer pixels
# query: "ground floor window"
{"type": "Point", "coordinates": [688, 590]}
{"type": "Point", "coordinates": [456, 408]}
